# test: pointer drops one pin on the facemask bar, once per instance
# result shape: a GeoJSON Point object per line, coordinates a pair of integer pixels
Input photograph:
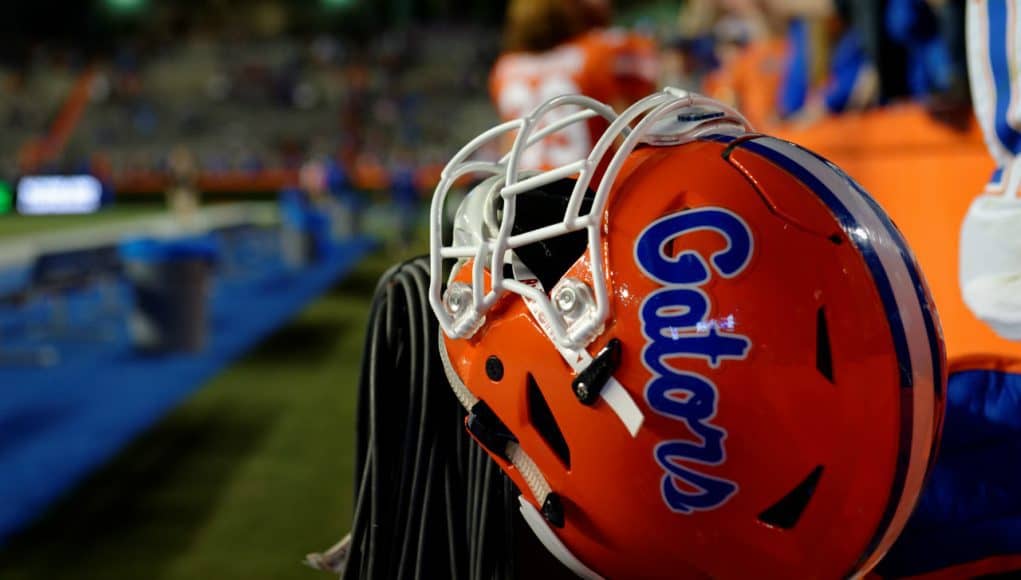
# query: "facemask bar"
{"type": "Point", "coordinates": [493, 252]}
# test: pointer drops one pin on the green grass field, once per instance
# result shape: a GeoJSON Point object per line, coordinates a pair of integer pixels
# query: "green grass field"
{"type": "Point", "coordinates": [241, 481]}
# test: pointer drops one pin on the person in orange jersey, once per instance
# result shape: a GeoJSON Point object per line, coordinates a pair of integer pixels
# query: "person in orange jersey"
{"type": "Point", "coordinates": [561, 47]}
{"type": "Point", "coordinates": [752, 52]}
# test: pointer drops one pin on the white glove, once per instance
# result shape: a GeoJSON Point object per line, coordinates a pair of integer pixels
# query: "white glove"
{"type": "Point", "coordinates": [990, 266]}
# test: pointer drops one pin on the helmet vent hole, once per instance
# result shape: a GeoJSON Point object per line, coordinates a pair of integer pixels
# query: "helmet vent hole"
{"type": "Point", "coordinates": [785, 513]}
{"type": "Point", "coordinates": [823, 352]}
{"type": "Point", "coordinates": [549, 259]}
{"type": "Point", "coordinates": [545, 424]}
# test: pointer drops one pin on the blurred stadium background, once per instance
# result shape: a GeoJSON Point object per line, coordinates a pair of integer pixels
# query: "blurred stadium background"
{"type": "Point", "coordinates": [254, 165]}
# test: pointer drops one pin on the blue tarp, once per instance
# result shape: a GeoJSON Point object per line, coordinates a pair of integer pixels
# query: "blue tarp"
{"type": "Point", "coordinates": [57, 424]}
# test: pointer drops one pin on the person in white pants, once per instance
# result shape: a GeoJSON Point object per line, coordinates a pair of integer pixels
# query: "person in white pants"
{"type": "Point", "coordinates": [990, 259]}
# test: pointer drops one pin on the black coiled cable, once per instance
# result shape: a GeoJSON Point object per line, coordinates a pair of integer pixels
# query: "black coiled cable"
{"type": "Point", "coordinates": [429, 502]}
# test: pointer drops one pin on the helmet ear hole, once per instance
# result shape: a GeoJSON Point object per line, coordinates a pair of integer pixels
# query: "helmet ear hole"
{"type": "Point", "coordinates": [545, 424]}
{"type": "Point", "coordinates": [785, 513]}
{"type": "Point", "coordinates": [549, 259]}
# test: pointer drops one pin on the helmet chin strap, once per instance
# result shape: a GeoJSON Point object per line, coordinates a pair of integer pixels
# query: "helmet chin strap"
{"type": "Point", "coordinates": [529, 471]}
{"type": "Point", "coordinates": [613, 393]}
{"type": "Point", "coordinates": [537, 484]}
{"type": "Point", "coordinates": [542, 530]}
{"type": "Point", "coordinates": [464, 396]}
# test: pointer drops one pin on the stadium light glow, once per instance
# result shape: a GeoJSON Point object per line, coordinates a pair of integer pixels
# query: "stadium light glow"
{"type": "Point", "coordinates": [338, 4]}
{"type": "Point", "coordinates": [59, 194]}
{"type": "Point", "coordinates": [125, 6]}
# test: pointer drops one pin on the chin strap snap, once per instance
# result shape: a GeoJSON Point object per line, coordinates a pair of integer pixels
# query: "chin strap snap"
{"type": "Point", "coordinates": [589, 382]}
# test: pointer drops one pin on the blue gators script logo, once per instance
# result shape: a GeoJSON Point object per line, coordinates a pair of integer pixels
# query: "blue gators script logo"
{"type": "Point", "coordinates": [676, 324]}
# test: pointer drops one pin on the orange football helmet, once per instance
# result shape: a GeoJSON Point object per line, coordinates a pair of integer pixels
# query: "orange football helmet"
{"type": "Point", "coordinates": [698, 351]}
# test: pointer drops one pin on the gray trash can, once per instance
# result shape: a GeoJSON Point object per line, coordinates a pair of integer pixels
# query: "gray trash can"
{"type": "Point", "coordinates": [171, 288]}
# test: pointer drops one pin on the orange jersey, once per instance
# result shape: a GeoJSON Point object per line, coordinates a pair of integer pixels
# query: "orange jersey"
{"type": "Point", "coordinates": [608, 65]}
{"type": "Point", "coordinates": [751, 81]}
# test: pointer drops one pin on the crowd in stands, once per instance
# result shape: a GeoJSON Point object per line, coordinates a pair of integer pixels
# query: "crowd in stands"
{"type": "Point", "coordinates": [247, 105]}
{"type": "Point", "coordinates": [30, 97]}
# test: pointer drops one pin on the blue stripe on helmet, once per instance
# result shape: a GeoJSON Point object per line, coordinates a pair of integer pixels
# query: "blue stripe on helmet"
{"type": "Point", "coordinates": [850, 224]}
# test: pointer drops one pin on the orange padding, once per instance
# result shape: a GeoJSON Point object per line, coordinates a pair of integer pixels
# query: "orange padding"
{"type": "Point", "coordinates": [984, 362]}
{"type": "Point", "coordinates": [925, 174]}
